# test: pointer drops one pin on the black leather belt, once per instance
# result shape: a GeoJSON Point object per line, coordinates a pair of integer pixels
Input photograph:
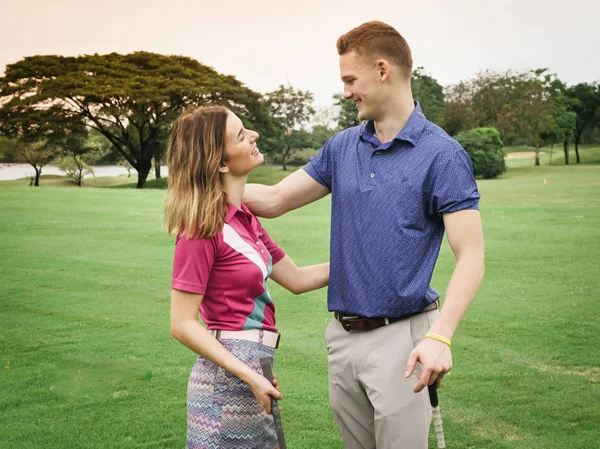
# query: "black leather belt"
{"type": "Point", "coordinates": [358, 323]}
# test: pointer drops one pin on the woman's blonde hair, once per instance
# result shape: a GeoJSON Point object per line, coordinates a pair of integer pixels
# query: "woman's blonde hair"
{"type": "Point", "coordinates": [196, 203]}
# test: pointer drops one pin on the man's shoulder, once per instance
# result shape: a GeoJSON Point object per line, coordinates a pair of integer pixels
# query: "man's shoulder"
{"type": "Point", "coordinates": [438, 141]}
{"type": "Point", "coordinates": [346, 135]}
{"type": "Point", "coordinates": [440, 146]}
{"type": "Point", "coordinates": [435, 134]}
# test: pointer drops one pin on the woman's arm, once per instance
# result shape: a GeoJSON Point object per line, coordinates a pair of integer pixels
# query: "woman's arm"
{"type": "Point", "coordinates": [300, 280]}
{"type": "Point", "coordinates": [187, 330]}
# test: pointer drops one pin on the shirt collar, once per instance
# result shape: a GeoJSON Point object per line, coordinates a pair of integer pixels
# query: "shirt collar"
{"type": "Point", "coordinates": [410, 132]}
{"type": "Point", "coordinates": [232, 210]}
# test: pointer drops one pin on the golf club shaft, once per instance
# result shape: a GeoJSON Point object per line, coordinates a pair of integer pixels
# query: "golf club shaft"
{"type": "Point", "coordinates": [265, 364]}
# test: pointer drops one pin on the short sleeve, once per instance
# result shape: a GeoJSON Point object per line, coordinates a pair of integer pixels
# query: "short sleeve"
{"type": "Point", "coordinates": [454, 186]}
{"type": "Point", "coordinates": [193, 261]}
{"type": "Point", "coordinates": [319, 167]}
{"type": "Point", "coordinates": [274, 250]}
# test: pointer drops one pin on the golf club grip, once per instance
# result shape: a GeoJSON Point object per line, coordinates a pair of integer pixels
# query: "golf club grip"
{"type": "Point", "coordinates": [265, 364]}
{"type": "Point", "coordinates": [437, 416]}
{"type": "Point", "coordinates": [433, 395]}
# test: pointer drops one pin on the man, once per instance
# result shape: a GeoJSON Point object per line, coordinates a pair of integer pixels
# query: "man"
{"type": "Point", "coordinates": [396, 182]}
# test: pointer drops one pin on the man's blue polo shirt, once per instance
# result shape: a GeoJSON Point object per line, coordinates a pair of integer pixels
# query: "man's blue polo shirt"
{"type": "Point", "coordinates": [386, 213]}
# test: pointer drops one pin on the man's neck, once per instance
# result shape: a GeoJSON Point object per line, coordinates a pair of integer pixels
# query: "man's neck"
{"type": "Point", "coordinates": [397, 114]}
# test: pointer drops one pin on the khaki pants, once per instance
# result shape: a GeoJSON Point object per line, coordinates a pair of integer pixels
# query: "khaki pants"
{"type": "Point", "coordinates": [373, 404]}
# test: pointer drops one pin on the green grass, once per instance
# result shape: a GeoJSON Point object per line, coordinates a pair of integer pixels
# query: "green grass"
{"type": "Point", "coordinates": [84, 305]}
{"type": "Point", "coordinates": [589, 154]}
{"type": "Point", "coordinates": [64, 181]}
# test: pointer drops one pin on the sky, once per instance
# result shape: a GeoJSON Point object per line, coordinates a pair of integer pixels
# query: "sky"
{"type": "Point", "coordinates": [271, 42]}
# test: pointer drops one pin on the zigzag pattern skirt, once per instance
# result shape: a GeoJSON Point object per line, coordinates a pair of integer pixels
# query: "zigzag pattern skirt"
{"type": "Point", "coordinates": [222, 411]}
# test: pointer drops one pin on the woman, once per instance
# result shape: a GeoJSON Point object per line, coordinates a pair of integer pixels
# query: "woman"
{"type": "Point", "coordinates": [223, 258]}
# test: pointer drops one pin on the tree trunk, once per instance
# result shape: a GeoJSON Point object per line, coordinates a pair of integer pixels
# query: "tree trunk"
{"type": "Point", "coordinates": [143, 170]}
{"type": "Point", "coordinates": [566, 149]}
{"type": "Point", "coordinates": [284, 157]}
{"type": "Point", "coordinates": [157, 167]}
{"type": "Point", "coordinates": [38, 172]}
{"type": "Point", "coordinates": [80, 167]}
{"type": "Point", "coordinates": [537, 153]}
{"type": "Point", "coordinates": [577, 149]}
{"type": "Point", "coordinates": [79, 173]}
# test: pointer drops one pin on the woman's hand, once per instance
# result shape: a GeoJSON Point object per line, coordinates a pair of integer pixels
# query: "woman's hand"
{"type": "Point", "coordinates": [263, 390]}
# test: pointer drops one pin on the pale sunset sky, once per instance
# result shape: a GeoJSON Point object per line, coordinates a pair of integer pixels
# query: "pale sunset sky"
{"type": "Point", "coordinates": [267, 43]}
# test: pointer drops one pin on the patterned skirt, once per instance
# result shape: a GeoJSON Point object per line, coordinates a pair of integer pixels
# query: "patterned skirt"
{"type": "Point", "coordinates": [222, 411]}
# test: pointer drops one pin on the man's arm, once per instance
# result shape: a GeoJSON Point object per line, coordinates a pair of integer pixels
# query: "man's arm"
{"type": "Point", "coordinates": [465, 237]}
{"type": "Point", "coordinates": [294, 191]}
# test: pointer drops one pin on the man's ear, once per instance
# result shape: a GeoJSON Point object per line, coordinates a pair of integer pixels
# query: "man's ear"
{"type": "Point", "coordinates": [384, 69]}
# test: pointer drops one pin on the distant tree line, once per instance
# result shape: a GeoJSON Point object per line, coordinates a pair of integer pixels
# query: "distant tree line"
{"type": "Point", "coordinates": [118, 108]}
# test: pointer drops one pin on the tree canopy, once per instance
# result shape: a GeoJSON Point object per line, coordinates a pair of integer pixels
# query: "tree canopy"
{"type": "Point", "coordinates": [130, 99]}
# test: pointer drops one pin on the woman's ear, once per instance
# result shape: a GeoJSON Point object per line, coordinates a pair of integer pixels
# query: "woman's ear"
{"type": "Point", "coordinates": [223, 168]}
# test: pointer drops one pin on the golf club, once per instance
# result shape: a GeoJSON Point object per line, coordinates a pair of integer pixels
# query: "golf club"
{"type": "Point", "coordinates": [265, 364]}
{"type": "Point", "coordinates": [437, 416]}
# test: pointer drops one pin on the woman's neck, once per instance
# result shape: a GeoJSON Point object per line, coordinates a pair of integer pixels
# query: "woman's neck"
{"type": "Point", "coordinates": [234, 187]}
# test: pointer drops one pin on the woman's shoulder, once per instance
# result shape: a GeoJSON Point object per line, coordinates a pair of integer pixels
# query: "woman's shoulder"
{"type": "Point", "coordinates": [195, 239]}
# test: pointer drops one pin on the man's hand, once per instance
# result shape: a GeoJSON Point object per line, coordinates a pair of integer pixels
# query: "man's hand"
{"type": "Point", "coordinates": [435, 358]}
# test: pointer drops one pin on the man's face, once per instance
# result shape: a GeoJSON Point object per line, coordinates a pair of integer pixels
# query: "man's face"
{"type": "Point", "coordinates": [362, 84]}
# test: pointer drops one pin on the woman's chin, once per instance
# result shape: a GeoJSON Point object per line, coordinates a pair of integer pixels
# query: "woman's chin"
{"type": "Point", "coordinates": [260, 158]}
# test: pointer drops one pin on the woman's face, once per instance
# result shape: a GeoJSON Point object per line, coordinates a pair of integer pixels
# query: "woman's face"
{"type": "Point", "coordinates": [241, 153]}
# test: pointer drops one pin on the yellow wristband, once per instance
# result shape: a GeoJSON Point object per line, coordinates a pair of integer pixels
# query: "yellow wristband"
{"type": "Point", "coordinates": [439, 338]}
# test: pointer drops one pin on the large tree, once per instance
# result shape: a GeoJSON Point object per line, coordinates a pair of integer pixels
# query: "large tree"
{"type": "Point", "coordinates": [524, 106]}
{"type": "Point", "coordinates": [293, 108]}
{"type": "Point", "coordinates": [478, 102]}
{"type": "Point", "coordinates": [347, 114]}
{"type": "Point", "coordinates": [429, 93]}
{"type": "Point", "coordinates": [536, 108]}
{"type": "Point", "coordinates": [36, 134]}
{"type": "Point", "coordinates": [562, 121]}
{"type": "Point", "coordinates": [9, 152]}
{"type": "Point", "coordinates": [586, 105]}
{"type": "Point", "coordinates": [319, 135]}
{"type": "Point", "coordinates": [457, 115]}
{"type": "Point", "coordinates": [79, 154]}
{"type": "Point", "coordinates": [130, 99]}
{"type": "Point", "coordinates": [37, 154]}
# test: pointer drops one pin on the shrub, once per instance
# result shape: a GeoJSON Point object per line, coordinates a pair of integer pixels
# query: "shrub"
{"type": "Point", "coordinates": [485, 149]}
